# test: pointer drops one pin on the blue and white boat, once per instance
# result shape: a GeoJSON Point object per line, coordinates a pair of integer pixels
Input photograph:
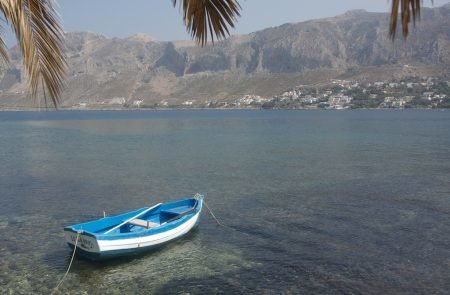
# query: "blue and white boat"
{"type": "Point", "coordinates": [135, 231]}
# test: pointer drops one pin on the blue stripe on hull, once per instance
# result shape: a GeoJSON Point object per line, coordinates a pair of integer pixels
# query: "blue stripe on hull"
{"type": "Point", "coordinates": [124, 252]}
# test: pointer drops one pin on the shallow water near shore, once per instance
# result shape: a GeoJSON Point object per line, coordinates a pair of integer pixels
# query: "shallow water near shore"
{"type": "Point", "coordinates": [323, 202]}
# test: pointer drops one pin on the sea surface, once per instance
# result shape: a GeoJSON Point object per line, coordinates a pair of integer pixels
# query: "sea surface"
{"type": "Point", "coordinates": [313, 202]}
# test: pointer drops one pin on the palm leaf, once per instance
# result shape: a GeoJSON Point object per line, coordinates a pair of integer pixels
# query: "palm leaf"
{"type": "Point", "coordinates": [409, 11]}
{"type": "Point", "coordinates": [3, 50]}
{"type": "Point", "coordinates": [40, 38]}
{"type": "Point", "coordinates": [215, 16]}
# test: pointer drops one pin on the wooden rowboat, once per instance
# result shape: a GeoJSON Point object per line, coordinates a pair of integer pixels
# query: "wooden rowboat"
{"type": "Point", "coordinates": [135, 231]}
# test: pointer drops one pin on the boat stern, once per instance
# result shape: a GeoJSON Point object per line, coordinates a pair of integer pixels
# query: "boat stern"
{"type": "Point", "coordinates": [86, 241]}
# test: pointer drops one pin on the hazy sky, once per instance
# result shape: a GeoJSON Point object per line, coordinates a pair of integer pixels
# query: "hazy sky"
{"type": "Point", "coordinates": [160, 20]}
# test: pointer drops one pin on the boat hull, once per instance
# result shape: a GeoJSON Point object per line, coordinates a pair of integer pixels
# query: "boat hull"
{"type": "Point", "coordinates": [97, 247]}
{"type": "Point", "coordinates": [134, 249]}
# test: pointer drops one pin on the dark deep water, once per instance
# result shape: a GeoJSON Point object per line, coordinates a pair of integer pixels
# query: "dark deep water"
{"type": "Point", "coordinates": [330, 202]}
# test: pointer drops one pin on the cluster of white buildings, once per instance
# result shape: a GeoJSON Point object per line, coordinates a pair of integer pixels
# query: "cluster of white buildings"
{"type": "Point", "coordinates": [340, 100]}
{"type": "Point", "coordinates": [249, 99]}
{"type": "Point", "coordinates": [394, 102]}
{"type": "Point", "coordinates": [430, 95]}
{"type": "Point", "coordinates": [188, 103]}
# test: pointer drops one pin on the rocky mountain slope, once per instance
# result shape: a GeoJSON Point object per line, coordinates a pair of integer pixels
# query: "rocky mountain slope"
{"type": "Point", "coordinates": [352, 45]}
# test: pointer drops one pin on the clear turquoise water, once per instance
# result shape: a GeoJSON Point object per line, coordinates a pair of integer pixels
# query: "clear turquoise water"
{"type": "Point", "coordinates": [330, 202]}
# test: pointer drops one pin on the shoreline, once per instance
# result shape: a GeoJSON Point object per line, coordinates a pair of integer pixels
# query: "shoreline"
{"type": "Point", "coordinates": [51, 109]}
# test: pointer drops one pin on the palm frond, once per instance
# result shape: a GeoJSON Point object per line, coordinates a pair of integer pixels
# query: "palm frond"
{"type": "Point", "coordinates": [3, 49]}
{"type": "Point", "coordinates": [409, 11]}
{"type": "Point", "coordinates": [215, 16]}
{"type": "Point", "coordinates": [40, 38]}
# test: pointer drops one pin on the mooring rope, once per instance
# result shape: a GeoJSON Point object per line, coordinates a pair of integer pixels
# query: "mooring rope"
{"type": "Point", "coordinates": [70, 264]}
{"type": "Point", "coordinates": [212, 214]}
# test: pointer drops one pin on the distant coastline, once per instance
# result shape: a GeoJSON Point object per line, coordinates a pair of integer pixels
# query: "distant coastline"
{"type": "Point", "coordinates": [406, 93]}
{"type": "Point", "coordinates": [64, 109]}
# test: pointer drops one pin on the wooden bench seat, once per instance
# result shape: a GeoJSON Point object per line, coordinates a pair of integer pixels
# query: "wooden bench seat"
{"type": "Point", "coordinates": [144, 223]}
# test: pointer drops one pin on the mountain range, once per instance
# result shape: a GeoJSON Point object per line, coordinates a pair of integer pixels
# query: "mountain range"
{"type": "Point", "coordinates": [354, 45]}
